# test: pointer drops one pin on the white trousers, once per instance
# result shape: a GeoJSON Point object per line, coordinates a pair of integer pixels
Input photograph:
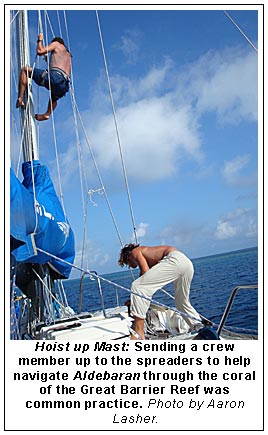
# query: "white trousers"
{"type": "Point", "coordinates": [175, 267]}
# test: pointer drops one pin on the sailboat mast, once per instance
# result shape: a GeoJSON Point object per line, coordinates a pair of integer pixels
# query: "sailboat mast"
{"type": "Point", "coordinates": [27, 122]}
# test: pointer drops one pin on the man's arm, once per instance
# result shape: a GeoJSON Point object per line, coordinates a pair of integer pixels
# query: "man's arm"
{"type": "Point", "coordinates": [40, 49]}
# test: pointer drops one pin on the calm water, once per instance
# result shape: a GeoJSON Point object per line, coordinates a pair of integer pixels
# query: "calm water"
{"type": "Point", "coordinates": [215, 277]}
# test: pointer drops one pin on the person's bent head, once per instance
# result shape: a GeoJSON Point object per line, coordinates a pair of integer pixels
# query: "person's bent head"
{"type": "Point", "coordinates": [58, 39]}
{"type": "Point", "coordinates": [124, 253]}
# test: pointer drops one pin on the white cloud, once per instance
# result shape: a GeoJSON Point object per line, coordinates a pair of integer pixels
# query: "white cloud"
{"type": "Point", "coordinates": [93, 256]}
{"type": "Point", "coordinates": [153, 83]}
{"type": "Point", "coordinates": [232, 168]}
{"type": "Point", "coordinates": [225, 230]}
{"type": "Point", "coordinates": [241, 221]}
{"type": "Point", "coordinates": [159, 114]}
{"type": "Point", "coordinates": [154, 135]}
{"type": "Point", "coordinates": [141, 231]}
{"type": "Point", "coordinates": [237, 229]}
{"type": "Point", "coordinates": [226, 82]}
{"type": "Point", "coordinates": [252, 229]}
{"type": "Point", "coordinates": [130, 44]}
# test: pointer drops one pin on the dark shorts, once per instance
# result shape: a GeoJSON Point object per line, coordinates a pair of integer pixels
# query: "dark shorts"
{"type": "Point", "coordinates": [54, 80]}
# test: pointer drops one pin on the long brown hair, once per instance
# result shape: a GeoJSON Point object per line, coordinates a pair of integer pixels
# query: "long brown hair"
{"type": "Point", "coordinates": [125, 251]}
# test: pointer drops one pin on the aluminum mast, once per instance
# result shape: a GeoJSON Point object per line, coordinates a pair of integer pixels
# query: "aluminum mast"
{"type": "Point", "coordinates": [27, 122]}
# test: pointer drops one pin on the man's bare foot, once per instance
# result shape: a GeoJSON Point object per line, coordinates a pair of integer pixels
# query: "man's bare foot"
{"type": "Point", "coordinates": [135, 338]}
{"type": "Point", "coordinates": [41, 117]}
{"type": "Point", "coordinates": [19, 103]}
{"type": "Point", "coordinates": [135, 335]}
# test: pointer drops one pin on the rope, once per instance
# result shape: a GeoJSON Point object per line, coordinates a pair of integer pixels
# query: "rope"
{"type": "Point", "coordinates": [59, 23]}
{"type": "Point", "coordinates": [82, 167]}
{"type": "Point", "coordinates": [81, 161]}
{"type": "Point", "coordinates": [40, 30]}
{"type": "Point", "coordinates": [241, 31]}
{"type": "Point", "coordinates": [97, 169]}
{"type": "Point", "coordinates": [13, 19]}
{"type": "Point", "coordinates": [123, 166]}
{"type": "Point", "coordinates": [16, 130]}
{"type": "Point", "coordinates": [117, 130]}
{"type": "Point", "coordinates": [50, 294]}
{"type": "Point", "coordinates": [40, 25]}
{"type": "Point", "coordinates": [26, 116]}
{"type": "Point", "coordinates": [91, 192]}
{"type": "Point", "coordinates": [14, 323]}
{"type": "Point", "coordinates": [54, 133]}
{"type": "Point", "coordinates": [82, 171]}
{"type": "Point", "coordinates": [95, 275]}
{"type": "Point", "coordinates": [48, 20]}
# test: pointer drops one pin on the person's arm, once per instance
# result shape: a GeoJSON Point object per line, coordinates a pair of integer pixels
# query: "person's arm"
{"type": "Point", "coordinates": [142, 263]}
{"type": "Point", "coordinates": [40, 49]}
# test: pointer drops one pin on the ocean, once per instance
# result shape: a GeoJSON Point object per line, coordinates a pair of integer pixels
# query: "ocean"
{"type": "Point", "coordinates": [214, 278]}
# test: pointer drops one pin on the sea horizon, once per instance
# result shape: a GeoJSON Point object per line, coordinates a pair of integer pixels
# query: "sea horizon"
{"type": "Point", "coordinates": [214, 279]}
{"type": "Point", "coordinates": [225, 253]}
{"type": "Point", "coordinates": [238, 251]}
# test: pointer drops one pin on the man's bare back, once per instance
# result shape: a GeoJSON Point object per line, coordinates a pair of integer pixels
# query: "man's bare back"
{"type": "Point", "coordinates": [148, 256]}
{"type": "Point", "coordinates": [161, 273]}
{"type": "Point", "coordinates": [60, 64]}
{"type": "Point", "coordinates": [60, 57]}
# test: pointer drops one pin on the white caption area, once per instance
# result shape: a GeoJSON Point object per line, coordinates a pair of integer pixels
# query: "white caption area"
{"type": "Point", "coordinates": [197, 385]}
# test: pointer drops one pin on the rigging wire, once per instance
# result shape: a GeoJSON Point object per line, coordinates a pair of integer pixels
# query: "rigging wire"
{"type": "Point", "coordinates": [59, 23]}
{"type": "Point", "coordinates": [97, 169]}
{"type": "Point", "coordinates": [133, 225]}
{"type": "Point", "coordinates": [82, 171]}
{"type": "Point", "coordinates": [49, 293]}
{"type": "Point", "coordinates": [82, 167]}
{"type": "Point", "coordinates": [47, 20]}
{"type": "Point", "coordinates": [54, 131]}
{"type": "Point", "coordinates": [240, 30]}
{"type": "Point", "coordinates": [95, 275]}
{"type": "Point", "coordinates": [40, 30]}
{"type": "Point", "coordinates": [117, 130]}
{"type": "Point", "coordinates": [13, 19]}
{"type": "Point", "coordinates": [16, 132]}
{"type": "Point", "coordinates": [26, 113]}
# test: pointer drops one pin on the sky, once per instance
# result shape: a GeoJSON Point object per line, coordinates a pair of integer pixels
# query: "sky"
{"type": "Point", "coordinates": [185, 93]}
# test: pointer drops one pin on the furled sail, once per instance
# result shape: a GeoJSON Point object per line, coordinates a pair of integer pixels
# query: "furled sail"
{"type": "Point", "coordinates": [38, 221]}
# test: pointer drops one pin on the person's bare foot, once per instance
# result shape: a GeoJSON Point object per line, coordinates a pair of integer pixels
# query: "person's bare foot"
{"type": "Point", "coordinates": [135, 338]}
{"type": "Point", "coordinates": [19, 103]}
{"type": "Point", "coordinates": [135, 335]}
{"type": "Point", "coordinates": [41, 117]}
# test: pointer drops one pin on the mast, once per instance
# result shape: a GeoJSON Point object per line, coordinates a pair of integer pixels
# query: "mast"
{"type": "Point", "coordinates": [27, 123]}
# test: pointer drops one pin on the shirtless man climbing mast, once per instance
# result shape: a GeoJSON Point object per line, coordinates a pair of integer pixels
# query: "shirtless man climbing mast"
{"type": "Point", "coordinates": [56, 78]}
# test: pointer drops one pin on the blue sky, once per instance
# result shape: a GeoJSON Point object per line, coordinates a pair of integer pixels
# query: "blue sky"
{"type": "Point", "coordinates": [185, 92]}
